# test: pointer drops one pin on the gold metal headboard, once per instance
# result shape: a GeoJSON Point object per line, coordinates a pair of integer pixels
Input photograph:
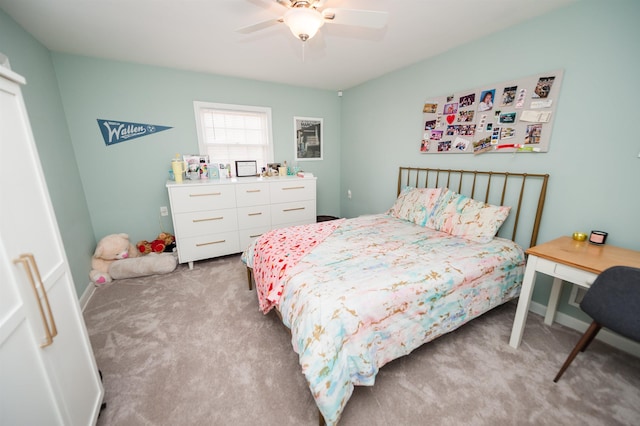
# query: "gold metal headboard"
{"type": "Point", "coordinates": [489, 187]}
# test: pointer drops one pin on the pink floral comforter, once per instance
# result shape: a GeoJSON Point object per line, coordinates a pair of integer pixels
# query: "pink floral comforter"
{"type": "Point", "coordinates": [277, 250]}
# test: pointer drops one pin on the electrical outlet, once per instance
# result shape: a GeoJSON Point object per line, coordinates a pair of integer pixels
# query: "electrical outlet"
{"type": "Point", "coordinates": [348, 193]}
{"type": "Point", "coordinates": [164, 211]}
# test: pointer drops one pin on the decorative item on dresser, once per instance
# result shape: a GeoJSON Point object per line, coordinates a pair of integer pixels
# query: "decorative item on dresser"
{"type": "Point", "coordinates": [218, 217]}
{"type": "Point", "coordinates": [48, 373]}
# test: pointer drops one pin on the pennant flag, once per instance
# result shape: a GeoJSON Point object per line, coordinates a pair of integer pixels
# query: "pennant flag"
{"type": "Point", "coordinates": [115, 132]}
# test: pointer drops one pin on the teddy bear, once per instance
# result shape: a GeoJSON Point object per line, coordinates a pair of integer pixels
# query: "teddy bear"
{"type": "Point", "coordinates": [109, 249]}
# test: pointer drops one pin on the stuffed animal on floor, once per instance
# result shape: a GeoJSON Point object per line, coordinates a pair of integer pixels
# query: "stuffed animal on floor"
{"type": "Point", "coordinates": [151, 264]}
{"type": "Point", "coordinates": [109, 249]}
{"type": "Point", "coordinates": [164, 242]}
{"type": "Point", "coordinates": [116, 258]}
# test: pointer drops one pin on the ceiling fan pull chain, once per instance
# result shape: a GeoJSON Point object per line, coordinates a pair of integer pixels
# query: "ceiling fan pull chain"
{"type": "Point", "coordinates": [303, 43]}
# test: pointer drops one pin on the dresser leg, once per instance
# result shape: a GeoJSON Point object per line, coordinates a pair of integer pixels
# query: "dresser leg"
{"type": "Point", "coordinates": [190, 265]}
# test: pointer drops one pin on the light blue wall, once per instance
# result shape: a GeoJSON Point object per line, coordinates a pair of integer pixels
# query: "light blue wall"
{"type": "Point", "coordinates": [593, 158]}
{"type": "Point", "coordinates": [41, 95]}
{"type": "Point", "coordinates": [124, 183]}
{"type": "Point", "coordinates": [369, 132]}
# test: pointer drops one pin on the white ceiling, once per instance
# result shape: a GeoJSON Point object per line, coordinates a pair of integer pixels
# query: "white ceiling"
{"type": "Point", "coordinates": [200, 35]}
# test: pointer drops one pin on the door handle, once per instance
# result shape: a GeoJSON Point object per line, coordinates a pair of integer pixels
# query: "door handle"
{"type": "Point", "coordinates": [30, 266]}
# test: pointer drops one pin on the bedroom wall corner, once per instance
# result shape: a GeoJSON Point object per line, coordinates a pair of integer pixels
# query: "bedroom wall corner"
{"type": "Point", "coordinates": [32, 60]}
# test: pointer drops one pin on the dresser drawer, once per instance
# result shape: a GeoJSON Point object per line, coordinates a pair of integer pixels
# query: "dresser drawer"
{"type": "Point", "coordinates": [293, 190]}
{"type": "Point", "coordinates": [205, 197]}
{"type": "Point", "coordinates": [296, 212]}
{"type": "Point", "coordinates": [574, 275]}
{"type": "Point", "coordinates": [252, 194]}
{"type": "Point", "coordinates": [248, 235]}
{"type": "Point", "coordinates": [207, 222]}
{"type": "Point", "coordinates": [254, 217]}
{"type": "Point", "coordinates": [207, 246]}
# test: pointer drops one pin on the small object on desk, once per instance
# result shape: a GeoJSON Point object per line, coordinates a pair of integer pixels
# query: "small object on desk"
{"type": "Point", "coordinates": [579, 236]}
{"type": "Point", "coordinates": [598, 237]}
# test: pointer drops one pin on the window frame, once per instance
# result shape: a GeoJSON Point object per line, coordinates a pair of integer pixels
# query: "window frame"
{"type": "Point", "coordinates": [198, 106]}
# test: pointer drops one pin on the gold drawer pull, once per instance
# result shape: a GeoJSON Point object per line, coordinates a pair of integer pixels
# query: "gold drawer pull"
{"type": "Point", "coordinates": [293, 187]}
{"type": "Point", "coordinates": [211, 242]}
{"type": "Point", "coordinates": [254, 236]}
{"type": "Point", "coordinates": [290, 210]}
{"type": "Point", "coordinates": [207, 219]}
{"type": "Point", "coordinates": [255, 214]}
{"type": "Point", "coordinates": [254, 190]}
{"type": "Point", "coordinates": [50, 330]}
{"type": "Point", "coordinates": [205, 195]}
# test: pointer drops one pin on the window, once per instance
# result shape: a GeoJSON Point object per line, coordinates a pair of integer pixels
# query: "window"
{"type": "Point", "coordinates": [229, 133]}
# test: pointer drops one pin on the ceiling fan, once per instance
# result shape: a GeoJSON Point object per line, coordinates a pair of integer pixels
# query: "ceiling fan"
{"type": "Point", "coordinates": [305, 17]}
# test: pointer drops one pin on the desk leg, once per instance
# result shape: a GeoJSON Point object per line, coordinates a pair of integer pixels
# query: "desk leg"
{"type": "Point", "coordinates": [523, 302]}
{"type": "Point", "coordinates": [553, 301]}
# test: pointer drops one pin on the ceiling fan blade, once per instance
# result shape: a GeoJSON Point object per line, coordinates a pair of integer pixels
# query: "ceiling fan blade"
{"type": "Point", "coordinates": [259, 25]}
{"type": "Point", "coordinates": [359, 18]}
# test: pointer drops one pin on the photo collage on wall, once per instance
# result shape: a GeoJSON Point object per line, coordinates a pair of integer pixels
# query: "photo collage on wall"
{"type": "Point", "coordinates": [513, 116]}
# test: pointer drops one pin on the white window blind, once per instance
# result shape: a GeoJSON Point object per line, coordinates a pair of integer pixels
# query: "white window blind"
{"type": "Point", "coordinates": [229, 133]}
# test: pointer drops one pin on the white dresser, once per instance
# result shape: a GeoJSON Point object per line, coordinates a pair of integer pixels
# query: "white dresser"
{"type": "Point", "coordinates": [222, 216]}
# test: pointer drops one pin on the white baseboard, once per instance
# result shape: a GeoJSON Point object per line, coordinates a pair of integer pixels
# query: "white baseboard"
{"type": "Point", "coordinates": [86, 296]}
{"type": "Point", "coordinates": [606, 336]}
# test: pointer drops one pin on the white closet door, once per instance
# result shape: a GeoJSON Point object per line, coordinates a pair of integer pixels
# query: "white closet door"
{"type": "Point", "coordinates": [27, 377]}
{"type": "Point", "coordinates": [34, 254]}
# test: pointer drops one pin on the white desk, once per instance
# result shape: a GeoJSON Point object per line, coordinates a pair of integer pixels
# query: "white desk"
{"type": "Point", "coordinates": [577, 262]}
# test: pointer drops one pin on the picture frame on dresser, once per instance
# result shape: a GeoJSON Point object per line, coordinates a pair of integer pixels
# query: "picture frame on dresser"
{"type": "Point", "coordinates": [246, 168]}
{"type": "Point", "coordinates": [308, 134]}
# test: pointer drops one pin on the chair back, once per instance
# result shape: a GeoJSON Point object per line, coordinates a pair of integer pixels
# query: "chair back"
{"type": "Point", "coordinates": [613, 301]}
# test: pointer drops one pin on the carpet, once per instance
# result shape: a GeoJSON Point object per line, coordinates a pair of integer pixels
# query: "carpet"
{"type": "Point", "coordinates": [191, 348]}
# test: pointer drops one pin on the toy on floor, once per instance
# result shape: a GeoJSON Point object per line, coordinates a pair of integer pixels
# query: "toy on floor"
{"type": "Point", "coordinates": [164, 242]}
{"type": "Point", "coordinates": [116, 258]}
{"type": "Point", "coordinates": [151, 264]}
{"type": "Point", "coordinates": [109, 249]}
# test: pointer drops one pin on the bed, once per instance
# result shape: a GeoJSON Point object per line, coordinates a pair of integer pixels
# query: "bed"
{"type": "Point", "coordinates": [358, 293]}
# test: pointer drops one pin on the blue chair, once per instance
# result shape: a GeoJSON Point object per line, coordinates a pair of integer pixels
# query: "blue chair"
{"type": "Point", "coordinates": [613, 302]}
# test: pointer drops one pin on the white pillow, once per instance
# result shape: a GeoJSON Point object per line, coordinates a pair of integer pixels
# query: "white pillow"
{"type": "Point", "coordinates": [415, 204]}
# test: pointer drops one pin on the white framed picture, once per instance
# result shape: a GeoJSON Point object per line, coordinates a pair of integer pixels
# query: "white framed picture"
{"type": "Point", "coordinates": [308, 138]}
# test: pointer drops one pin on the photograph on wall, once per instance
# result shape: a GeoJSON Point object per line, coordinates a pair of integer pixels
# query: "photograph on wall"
{"type": "Point", "coordinates": [508, 117]}
{"type": "Point", "coordinates": [430, 124]}
{"type": "Point", "coordinates": [543, 87]}
{"type": "Point", "coordinates": [461, 144]}
{"type": "Point", "coordinates": [533, 134]}
{"type": "Point", "coordinates": [486, 100]}
{"type": "Point", "coordinates": [482, 145]}
{"type": "Point", "coordinates": [507, 132]}
{"type": "Point", "coordinates": [465, 116]}
{"type": "Point", "coordinates": [467, 100]}
{"type": "Point", "coordinates": [308, 138]}
{"type": "Point", "coordinates": [509, 95]}
{"type": "Point", "coordinates": [444, 146]}
{"type": "Point", "coordinates": [430, 108]}
{"type": "Point", "coordinates": [451, 108]}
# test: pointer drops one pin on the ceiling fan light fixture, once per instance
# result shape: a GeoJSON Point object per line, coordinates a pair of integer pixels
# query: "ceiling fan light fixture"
{"type": "Point", "coordinates": [303, 22]}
